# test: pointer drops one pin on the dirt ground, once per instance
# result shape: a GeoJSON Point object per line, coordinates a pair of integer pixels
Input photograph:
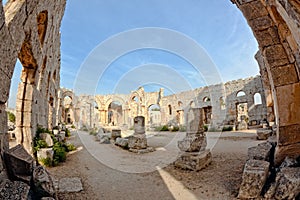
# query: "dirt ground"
{"type": "Point", "coordinates": [109, 172]}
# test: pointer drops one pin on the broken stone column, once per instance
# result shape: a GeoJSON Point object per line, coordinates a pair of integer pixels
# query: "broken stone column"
{"type": "Point", "coordinates": [194, 155]}
{"type": "Point", "coordinates": [138, 140]}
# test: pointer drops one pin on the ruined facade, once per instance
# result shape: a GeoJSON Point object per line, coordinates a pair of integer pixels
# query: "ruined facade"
{"type": "Point", "coordinates": [220, 108]}
{"type": "Point", "coordinates": [29, 31]}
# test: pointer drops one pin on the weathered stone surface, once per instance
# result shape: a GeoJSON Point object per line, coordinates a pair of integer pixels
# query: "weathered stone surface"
{"type": "Point", "coordinates": [142, 151]}
{"type": "Point", "coordinates": [43, 184]}
{"type": "Point", "coordinates": [254, 177]}
{"type": "Point", "coordinates": [281, 152]}
{"type": "Point", "coordinates": [12, 190]}
{"type": "Point", "coordinates": [122, 142]}
{"type": "Point", "coordinates": [47, 138]}
{"type": "Point", "coordinates": [45, 153]}
{"type": "Point", "coordinates": [263, 134]}
{"type": "Point", "coordinates": [194, 121]}
{"type": "Point", "coordinates": [288, 183]}
{"type": "Point", "coordinates": [137, 142]}
{"type": "Point", "coordinates": [139, 125]}
{"type": "Point", "coordinates": [20, 163]}
{"type": "Point", "coordinates": [242, 125]}
{"type": "Point", "coordinates": [289, 162]}
{"type": "Point", "coordinates": [260, 152]}
{"type": "Point", "coordinates": [104, 139]}
{"type": "Point", "coordinates": [115, 133]}
{"type": "Point", "coordinates": [193, 143]}
{"type": "Point", "coordinates": [194, 161]}
{"type": "Point", "coordinates": [70, 185]}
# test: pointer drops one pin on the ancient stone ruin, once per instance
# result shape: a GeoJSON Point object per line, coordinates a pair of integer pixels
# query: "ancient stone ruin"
{"type": "Point", "coordinates": [29, 31]}
{"type": "Point", "coordinates": [194, 155]}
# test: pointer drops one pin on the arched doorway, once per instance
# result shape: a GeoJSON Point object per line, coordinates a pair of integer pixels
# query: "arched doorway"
{"type": "Point", "coordinates": [154, 115]}
{"type": "Point", "coordinates": [115, 114]}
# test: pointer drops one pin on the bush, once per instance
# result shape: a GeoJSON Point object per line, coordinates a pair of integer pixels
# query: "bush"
{"type": "Point", "coordinates": [38, 144]}
{"type": "Point", "coordinates": [93, 132]}
{"type": "Point", "coordinates": [60, 154]}
{"type": "Point", "coordinates": [73, 126]}
{"type": "Point", "coordinates": [175, 128]}
{"type": "Point", "coordinates": [205, 128]}
{"type": "Point", "coordinates": [67, 133]}
{"type": "Point", "coordinates": [227, 128]}
{"type": "Point", "coordinates": [164, 128]}
{"type": "Point", "coordinates": [182, 128]}
{"type": "Point", "coordinates": [46, 162]}
{"type": "Point", "coordinates": [70, 147]}
{"type": "Point", "coordinates": [11, 117]}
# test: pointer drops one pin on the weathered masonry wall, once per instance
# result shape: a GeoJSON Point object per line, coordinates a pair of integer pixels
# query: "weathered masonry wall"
{"type": "Point", "coordinates": [276, 26]}
{"type": "Point", "coordinates": [29, 31]}
{"type": "Point", "coordinates": [220, 103]}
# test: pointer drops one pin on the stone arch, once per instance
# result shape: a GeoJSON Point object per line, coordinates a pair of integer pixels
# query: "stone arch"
{"type": "Point", "coordinates": [240, 93]}
{"type": "Point", "coordinates": [206, 99]}
{"type": "Point", "coordinates": [275, 25]}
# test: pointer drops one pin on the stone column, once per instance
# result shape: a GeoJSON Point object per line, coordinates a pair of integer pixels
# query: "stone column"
{"type": "Point", "coordinates": [138, 140]}
{"type": "Point", "coordinates": [194, 155]}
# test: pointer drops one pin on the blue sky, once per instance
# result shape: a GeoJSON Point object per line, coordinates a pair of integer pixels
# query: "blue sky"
{"type": "Point", "coordinates": [217, 26]}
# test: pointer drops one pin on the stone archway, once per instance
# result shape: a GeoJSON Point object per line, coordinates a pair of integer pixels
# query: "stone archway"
{"type": "Point", "coordinates": [276, 26]}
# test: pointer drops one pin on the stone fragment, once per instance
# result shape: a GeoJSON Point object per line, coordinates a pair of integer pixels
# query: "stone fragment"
{"type": "Point", "coordinates": [45, 153]}
{"type": "Point", "coordinates": [70, 185]}
{"type": "Point", "coordinates": [142, 151]}
{"type": "Point", "coordinates": [20, 163]}
{"type": "Point", "coordinates": [47, 138]}
{"type": "Point", "coordinates": [12, 190]}
{"type": "Point", "coordinates": [139, 125]}
{"type": "Point", "coordinates": [137, 142]}
{"type": "Point", "coordinates": [194, 161]}
{"type": "Point", "coordinates": [115, 133]}
{"type": "Point", "coordinates": [104, 139]}
{"type": "Point", "coordinates": [254, 177]}
{"type": "Point", "coordinates": [194, 121]}
{"type": "Point", "coordinates": [288, 183]}
{"type": "Point", "coordinates": [193, 143]}
{"type": "Point", "coordinates": [289, 162]}
{"type": "Point", "coordinates": [260, 152]}
{"type": "Point", "coordinates": [42, 182]}
{"type": "Point", "coordinates": [263, 134]}
{"type": "Point", "coordinates": [122, 142]}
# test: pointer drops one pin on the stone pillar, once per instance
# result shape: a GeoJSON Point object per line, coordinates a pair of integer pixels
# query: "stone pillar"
{"type": "Point", "coordinates": [138, 140]}
{"type": "Point", "coordinates": [194, 155]}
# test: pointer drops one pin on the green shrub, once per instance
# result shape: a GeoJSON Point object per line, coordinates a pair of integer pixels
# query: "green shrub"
{"type": "Point", "coordinates": [60, 153]}
{"type": "Point", "coordinates": [73, 126]}
{"type": "Point", "coordinates": [93, 132]}
{"type": "Point", "coordinates": [182, 128]}
{"type": "Point", "coordinates": [164, 128]}
{"type": "Point", "coordinates": [38, 144]}
{"type": "Point", "coordinates": [175, 128]}
{"type": "Point", "coordinates": [227, 128]}
{"type": "Point", "coordinates": [11, 117]}
{"type": "Point", "coordinates": [205, 127]}
{"type": "Point", "coordinates": [67, 133]}
{"type": "Point", "coordinates": [46, 162]}
{"type": "Point", "coordinates": [70, 147]}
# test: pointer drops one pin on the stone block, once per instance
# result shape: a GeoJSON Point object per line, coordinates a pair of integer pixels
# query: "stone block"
{"type": "Point", "coordinates": [43, 183]}
{"type": "Point", "coordinates": [104, 139]}
{"type": "Point", "coordinates": [137, 142]}
{"type": "Point", "coordinates": [254, 177]}
{"type": "Point", "coordinates": [276, 55]}
{"type": "Point", "coordinates": [115, 133]}
{"type": "Point", "coordinates": [263, 134]}
{"type": "Point", "coordinates": [20, 162]}
{"type": "Point", "coordinates": [194, 161]}
{"type": "Point", "coordinates": [139, 125]}
{"type": "Point", "coordinates": [45, 153]}
{"type": "Point", "coordinates": [284, 75]}
{"type": "Point", "coordinates": [47, 138]}
{"type": "Point", "coordinates": [195, 121]}
{"type": "Point", "coordinates": [12, 190]}
{"type": "Point", "coordinates": [122, 142]}
{"type": "Point", "coordinates": [193, 143]}
{"type": "Point", "coordinates": [288, 183]}
{"type": "Point", "coordinates": [260, 152]}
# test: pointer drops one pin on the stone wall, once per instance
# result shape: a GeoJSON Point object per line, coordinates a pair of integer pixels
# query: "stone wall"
{"type": "Point", "coordinates": [29, 31]}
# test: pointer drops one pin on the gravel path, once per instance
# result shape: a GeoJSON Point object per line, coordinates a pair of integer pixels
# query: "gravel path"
{"type": "Point", "coordinates": [108, 172]}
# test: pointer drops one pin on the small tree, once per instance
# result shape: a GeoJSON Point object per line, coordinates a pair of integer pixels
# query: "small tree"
{"type": "Point", "coordinates": [11, 117]}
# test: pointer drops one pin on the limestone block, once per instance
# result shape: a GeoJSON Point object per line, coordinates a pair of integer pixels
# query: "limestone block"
{"type": "Point", "coordinates": [284, 75]}
{"type": "Point", "coordinates": [137, 142]}
{"type": "Point", "coordinates": [194, 161]}
{"type": "Point", "coordinates": [254, 177]}
{"type": "Point", "coordinates": [288, 183]}
{"type": "Point", "coordinates": [281, 152]}
{"type": "Point", "coordinates": [20, 162]}
{"type": "Point", "coordinates": [43, 183]}
{"type": "Point", "coordinates": [261, 23]}
{"type": "Point", "coordinates": [5, 85]}
{"type": "Point", "coordinates": [11, 190]}
{"type": "Point", "coordinates": [289, 162]}
{"type": "Point", "coordinates": [263, 134]}
{"type": "Point", "coordinates": [47, 138]}
{"type": "Point", "coordinates": [104, 139]}
{"type": "Point", "coordinates": [115, 133]}
{"type": "Point", "coordinates": [122, 142]}
{"type": "Point", "coordinates": [275, 55]}
{"type": "Point", "coordinates": [45, 153]}
{"type": "Point", "coordinates": [253, 9]}
{"type": "Point", "coordinates": [194, 121]}
{"type": "Point", "coordinates": [193, 143]}
{"type": "Point", "coordinates": [139, 125]}
{"type": "Point", "coordinates": [260, 152]}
